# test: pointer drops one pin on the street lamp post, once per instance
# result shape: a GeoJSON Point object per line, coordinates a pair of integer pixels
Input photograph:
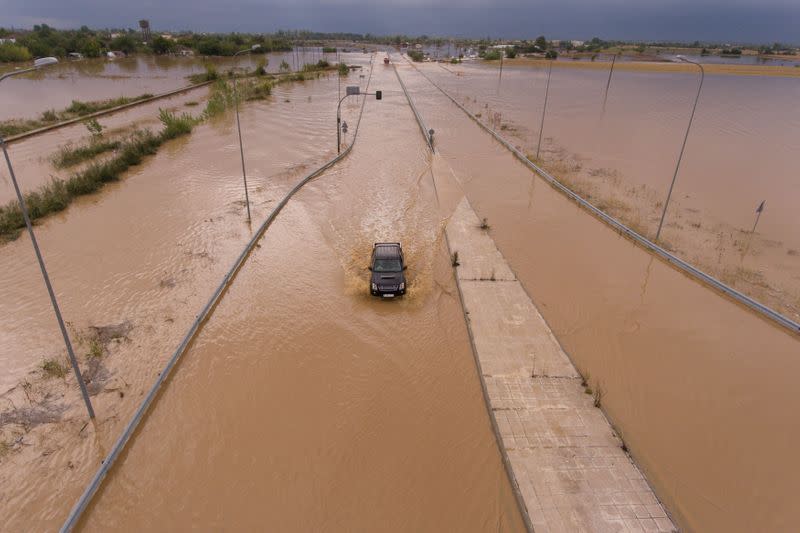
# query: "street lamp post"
{"type": "Point", "coordinates": [608, 83]}
{"type": "Point", "coordinates": [350, 90]}
{"type": "Point", "coordinates": [239, 128]}
{"type": "Point", "coordinates": [39, 63]}
{"type": "Point", "coordinates": [544, 109]}
{"type": "Point", "coordinates": [683, 147]}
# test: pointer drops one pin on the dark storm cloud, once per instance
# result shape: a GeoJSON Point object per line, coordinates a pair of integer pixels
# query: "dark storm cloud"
{"type": "Point", "coordinates": [717, 20]}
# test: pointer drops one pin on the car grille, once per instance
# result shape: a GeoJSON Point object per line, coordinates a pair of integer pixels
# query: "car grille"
{"type": "Point", "coordinates": [386, 288]}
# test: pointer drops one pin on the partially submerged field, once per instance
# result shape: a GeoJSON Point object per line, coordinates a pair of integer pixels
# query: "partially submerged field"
{"type": "Point", "coordinates": [620, 152]}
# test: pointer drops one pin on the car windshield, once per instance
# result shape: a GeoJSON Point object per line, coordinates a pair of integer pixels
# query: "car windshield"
{"type": "Point", "coordinates": [387, 265]}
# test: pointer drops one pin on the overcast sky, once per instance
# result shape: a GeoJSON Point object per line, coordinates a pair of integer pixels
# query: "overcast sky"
{"type": "Point", "coordinates": [687, 20]}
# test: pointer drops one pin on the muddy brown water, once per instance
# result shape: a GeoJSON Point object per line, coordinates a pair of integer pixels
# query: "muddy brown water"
{"type": "Point", "coordinates": [740, 151]}
{"type": "Point", "coordinates": [55, 87]}
{"type": "Point", "coordinates": [306, 404]}
{"type": "Point", "coordinates": [149, 250]}
{"type": "Point", "coordinates": [700, 388]}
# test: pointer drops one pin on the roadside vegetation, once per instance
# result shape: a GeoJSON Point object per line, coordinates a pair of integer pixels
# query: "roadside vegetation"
{"type": "Point", "coordinates": [77, 109]}
{"type": "Point", "coordinates": [416, 55]}
{"type": "Point", "coordinates": [59, 193]}
{"type": "Point", "coordinates": [70, 155]}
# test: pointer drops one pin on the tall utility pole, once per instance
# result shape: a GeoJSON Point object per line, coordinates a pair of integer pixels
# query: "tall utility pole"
{"type": "Point", "coordinates": [544, 109]}
{"type": "Point", "coordinates": [29, 226]}
{"type": "Point", "coordinates": [608, 83]}
{"type": "Point", "coordinates": [683, 146]}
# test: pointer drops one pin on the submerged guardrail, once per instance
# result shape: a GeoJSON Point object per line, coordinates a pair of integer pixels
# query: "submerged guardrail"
{"type": "Point", "coordinates": [86, 498]}
{"type": "Point", "coordinates": [679, 263]}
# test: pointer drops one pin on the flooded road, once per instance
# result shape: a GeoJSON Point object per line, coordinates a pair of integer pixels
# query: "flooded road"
{"type": "Point", "coordinates": [700, 389]}
{"type": "Point", "coordinates": [306, 404]}
{"type": "Point", "coordinates": [144, 253]}
{"type": "Point", "coordinates": [622, 156]}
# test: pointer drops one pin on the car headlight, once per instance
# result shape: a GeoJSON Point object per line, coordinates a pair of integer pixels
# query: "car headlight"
{"type": "Point", "coordinates": [374, 287]}
{"type": "Point", "coordinates": [403, 286]}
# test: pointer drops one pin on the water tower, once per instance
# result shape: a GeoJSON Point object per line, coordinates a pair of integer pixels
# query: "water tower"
{"type": "Point", "coordinates": [144, 24]}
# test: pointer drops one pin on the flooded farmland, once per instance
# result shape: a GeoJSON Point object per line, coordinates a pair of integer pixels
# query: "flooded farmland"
{"type": "Point", "coordinates": [100, 79]}
{"type": "Point", "coordinates": [622, 157]}
{"type": "Point", "coordinates": [697, 387]}
{"type": "Point", "coordinates": [306, 404]}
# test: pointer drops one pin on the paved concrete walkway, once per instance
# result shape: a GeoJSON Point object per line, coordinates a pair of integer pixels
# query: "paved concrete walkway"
{"type": "Point", "coordinates": [568, 463]}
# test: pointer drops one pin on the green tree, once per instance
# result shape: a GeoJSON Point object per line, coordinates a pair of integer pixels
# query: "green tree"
{"type": "Point", "coordinates": [90, 47]}
{"type": "Point", "coordinates": [124, 43]}
{"type": "Point", "coordinates": [13, 52]}
{"type": "Point", "coordinates": [160, 45]}
{"type": "Point", "coordinates": [511, 52]}
{"type": "Point", "coordinates": [541, 42]}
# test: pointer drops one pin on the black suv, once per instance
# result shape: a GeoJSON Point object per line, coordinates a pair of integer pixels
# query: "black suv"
{"type": "Point", "coordinates": [387, 268]}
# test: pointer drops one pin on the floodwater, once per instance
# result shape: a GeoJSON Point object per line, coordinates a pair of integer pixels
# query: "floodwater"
{"type": "Point", "coordinates": [741, 150]}
{"type": "Point", "coordinates": [700, 389]}
{"type": "Point", "coordinates": [306, 404]}
{"type": "Point", "coordinates": [147, 251]}
{"type": "Point", "coordinates": [55, 87]}
{"type": "Point", "coordinates": [32, 157]}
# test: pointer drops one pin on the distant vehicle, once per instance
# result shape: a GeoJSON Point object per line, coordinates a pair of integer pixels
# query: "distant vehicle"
{"type": "Point", "coordinates": [386, 60]}
{"type": "Point", "coordinates": [387, 266]}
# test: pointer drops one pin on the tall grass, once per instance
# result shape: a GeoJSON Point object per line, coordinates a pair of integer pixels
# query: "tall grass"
{"type": "Point", "coordinates": [76, 109]}
{"type": "Point", "coordinates": [56, 195]}
{"type": "Point", "coordinates": [70, 155]}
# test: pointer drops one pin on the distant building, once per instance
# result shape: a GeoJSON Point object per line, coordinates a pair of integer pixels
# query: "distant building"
{"type": "Point", "coordinates": [9, 41]}
{"type": "Point", "coordinates": [144, 24]}
{"type": "Point", "coordinates": [577, 43]}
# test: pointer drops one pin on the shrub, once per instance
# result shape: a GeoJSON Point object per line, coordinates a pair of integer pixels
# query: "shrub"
{"type": "Point", "coordinates": [285, 66]}
{"type": "Point", "coordinates": [70, 155]}
{"type": "Point", "coordinates": [492, 55]}
{"type": "Point", "coordinates": [54, 368]}
{"type": "Point", "coordinates": [261, 68]}
{"type": "Point", "coordinates": [343, 69]}
{"type": "Point", "coordinates": [94, 127]}
{"type": "Point", "coordinates": [328, 50]}
{"type": "Point", "coordinates": [175, 125]}
{"type": "Point", "coordinates": [416, 55]}
{"type": "Point", "coordinates": [10, 52]}
{"type": "Point", "coordinates": [257, 91]}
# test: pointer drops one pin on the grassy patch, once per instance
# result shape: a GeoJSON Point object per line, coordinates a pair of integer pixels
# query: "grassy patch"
{"type": "Point", "coordinates": [70, 155]}
{"type": "Point", "coordinates": [58, 194]}
{"type": "Point", "coordinates": [76, 109]}
{"type": "Point", "coordinates": [95, 349]}
{"type": "Point", "coordinates": [53, 368]}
